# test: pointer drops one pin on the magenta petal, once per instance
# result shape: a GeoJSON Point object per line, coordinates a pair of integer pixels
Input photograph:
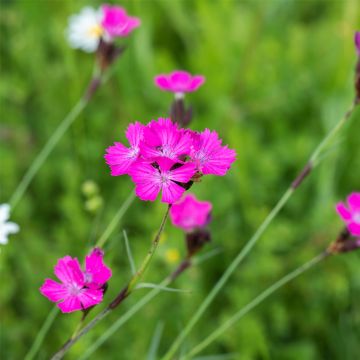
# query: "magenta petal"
{"type": "Point", "coordinates": [196, 82]}
{"type": "Point", "coordinates": [357, 42]}
{"type": "Point", "coordinates": [162, 82]}
{"type": "Point", "coordinates": [343, 211]}
{"type": "Point", "coordinates": [354, 202]}
{"type": "Point", "coordinates": [70, 304]}
{"type": "Point", "coordinates": [354, 229]}
{"type": "Point", "coordinates": [134, 133]}
{"type": "Point", "coordinates": [171, 192]}
{"type": "Point", "coordinates": [90, 297]}
{"type": "Point", "coordinates": [68, 271]}
{"type": "Point", "coordinates": [120, 158]}
{"type": "Point", "coordinates": [53, 290]}
{"type": "Point", "coordinates": [184, 173]}
{"type": "Point", "coordinates": [97, 273]}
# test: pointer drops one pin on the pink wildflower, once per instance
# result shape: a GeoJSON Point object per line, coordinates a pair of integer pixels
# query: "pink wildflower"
{"type": "Point", "coordinates": [190, 213]}
{"type": "Point", "coordinates": [351, 215]}
{"type": "Point", "coordinates": [119, 157]}
{"type": "Point", "coordinates": [149, 179]}
{"type": "Point", "coordinates": [163, 138]}
{"type": "Point", "coordinates": [179, 82]}
{"type": "Point", "coordinates": [357, 42]}
{"type": "Point", "coordinates": [116, 22]}
{"type": "Point", "coordinates": [77, 290]}
{"type": "Point", "coordinates": [209, 155]}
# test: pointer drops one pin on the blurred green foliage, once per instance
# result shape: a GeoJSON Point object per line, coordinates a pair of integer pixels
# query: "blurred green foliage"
{"type": "Point", "coordinates": [279, 75]}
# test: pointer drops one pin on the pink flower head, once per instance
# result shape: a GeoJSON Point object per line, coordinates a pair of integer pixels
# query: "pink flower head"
{"type": "Point", "coordinates": [179, 82]}
{"type": "Point", "coordinates": [116, 22]}
{"type": "Point", "coordinates": [78, 290]}
{"type": "Point", "coordinates": [149, 179]}
{"type": "Point", "coordinates": [357, 42]}
{"type": "Point", "coordinates": [209, 155]}
{"type": "Point", "coordinates": [351, 214]}
{"type": "Point", "coordinates": [163, 138]}
{"type": "Point", "coordinates": [119, 157]}
{"type": "Point", "coordinates": [190, 213]}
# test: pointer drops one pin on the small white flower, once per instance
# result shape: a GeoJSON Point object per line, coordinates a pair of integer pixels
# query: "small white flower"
{"type": "Point", "coordinates": [6, 227]}
{"type": "Point", "coordinates": [85, 30]}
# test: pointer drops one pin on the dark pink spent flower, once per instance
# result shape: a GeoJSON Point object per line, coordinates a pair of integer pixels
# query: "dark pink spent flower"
{"type": "Point", "coordinates": [179, 82]}
{"type": "Point", "coordinates": [163, 138]}
{"type": "Point", "coordinates": [351, 214]}
{"type": "Point", "coordinates": [150, 179]}
{"type": "Point", "coordinates": [96, 272]}
{"type": "Point", "coordinates": [116, 22]}
{"type": "Point", "coordinates": [77, 290]}
{"type": "Point", "coordinates": [190, 213]}
{"type": "Point", "coordinates": [209, 155]}
{"type": "Point", "coordinates": [357, 42]}
{"type": "Point", "coordinates": [119, 157]}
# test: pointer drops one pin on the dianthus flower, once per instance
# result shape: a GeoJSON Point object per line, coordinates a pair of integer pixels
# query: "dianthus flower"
{"type": "Point", "coordinates": [351, 214]}
{"type": "Point", "coordinates": [119, 157]}
{"type": "Point", "coordinates": [357, 42]}
{"type": "Point", "coordinates": [6, 227]}
{"type": "Point", "coordinates": [189, 213]}
{"type": "Point", "coordinates": [116, 22]}
{"type": "Point", "coordinates": [209, 155]}
{"type": "Point", "coordinates": [78, 289]}
{"type": "Point", "coordinates": [179, 82]}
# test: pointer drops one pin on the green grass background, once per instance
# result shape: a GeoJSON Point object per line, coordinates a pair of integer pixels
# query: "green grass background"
{"type": "Point", "coordinates": [279, 75]}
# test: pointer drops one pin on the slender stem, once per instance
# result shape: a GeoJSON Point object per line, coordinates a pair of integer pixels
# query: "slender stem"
{"type": "Point", "coordinates": [42, 333]}
{"type": "Point", "coordinates": [185, 264]}
{"type": "Point", "coordinates": [252, 304]}
{"type": "Point", "coordinates": [124, 293]}
{"type": "Point", "coordinates": [52, 314]}
{"type": "Point", "coordinates": [311, 163]}
{"type": "Point", "coordinates": [115, 220]}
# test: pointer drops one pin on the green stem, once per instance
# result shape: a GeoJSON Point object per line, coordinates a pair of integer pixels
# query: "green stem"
{"type": "Point", "coordinates": [121, 296]}
{"type": "Point", "coordinates": [252, 304]}
{"type": "Point", "coordinates": [311, 163]}
{"type": "Point", "coordinates": [42, 333]}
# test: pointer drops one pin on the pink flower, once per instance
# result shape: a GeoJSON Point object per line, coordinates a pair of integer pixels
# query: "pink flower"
{"type": "Point", "coordinates": [163, 138]}
{"type": "Point", "coordinates": [357, 42]}
{"type": "Point", "coordinates": [150, 179]}
{"type": "Point", "coordinates": [209, 155]}
{"type": "Point", "coordinates": [116, 22]}
{"type": "Point", "coordinates": [119, 157]}
{"type": "Point", "coordinates": [351, 215]}
{"type": "Point", "coordinates": [78, 290]}
{"type": "Point", "coordinates": [190, 213]}
{"type": "Point", "coordinates": [179, 82]}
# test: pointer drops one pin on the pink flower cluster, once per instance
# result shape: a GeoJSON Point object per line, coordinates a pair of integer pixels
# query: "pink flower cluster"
{"type": "Point", "coordinates": [351, 214]}
{"type": "Point", "coordinates": [179, 82]}
{"type": "Point", "coordinates": [116, 22]}
{"type": "Point", "coordinates": [78, 289]}
{"type": "Point", "coordinates": [189, 213]}
{"type": "Point", "coordinates": [163, 157]}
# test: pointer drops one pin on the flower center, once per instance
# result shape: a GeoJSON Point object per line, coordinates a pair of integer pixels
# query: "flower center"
{"type": "Point", "coordinates": [96, 31]}
{"type": "Point", "coordinates": [74, 289]}
{"type": "Point", "coordinates": [356, 217]}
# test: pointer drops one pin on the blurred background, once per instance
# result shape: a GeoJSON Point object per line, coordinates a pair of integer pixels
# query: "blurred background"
{"type": "Point", "coordinates": [279, 76]}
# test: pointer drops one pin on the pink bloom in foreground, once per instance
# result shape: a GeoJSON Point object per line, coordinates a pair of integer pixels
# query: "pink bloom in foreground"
{"type": "Point", "coordinates": [357, 42]}
{"type": "Point", "coordinates": [78, 290]}
{"type": "Point", "coordinates": [209, 155]}
{"type": "Point", "coordinates": [190, 213]}
{"type": "Point", "coordinates": [149, 180]}
{"type": "Point", "coordinates": [116, 22]}
{"type": "Point", "coordinates": [351, 214]}
{"type": "Point", "coordinates": [179, 82]}
{"type": "Point", "coordinates": [119, 157]}
{"type": "Point", "coordinates": [163, 138]}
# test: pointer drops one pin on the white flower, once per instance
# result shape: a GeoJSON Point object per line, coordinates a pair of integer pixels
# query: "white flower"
{"type": "Point", "coordinates": [6, 227]}
{"type": "Point", "coordinates": [85, 30]}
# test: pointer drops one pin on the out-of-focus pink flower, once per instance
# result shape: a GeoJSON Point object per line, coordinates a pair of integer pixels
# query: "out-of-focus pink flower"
{"type": "Point", "coordinates": [163, 138]}
{"type": "Point", "coordinates": [351, 214]}
{"type": "Point", "coordinates": [116, 22]}
{"type": "Point", "coordinates": [190, 213]}
{"type": "Point", "coordinates": [357, 42]}
{"type": "Point", "coordinates": [149, 180]}
{"type": "Point", "coordinates": [209, 155]}
{"type": "Point", "coordinates": [119, 157]}
{"type": "Point", "coordinates": [78, 290]}
{"type": "Point", "coordinates": [179, 82]}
